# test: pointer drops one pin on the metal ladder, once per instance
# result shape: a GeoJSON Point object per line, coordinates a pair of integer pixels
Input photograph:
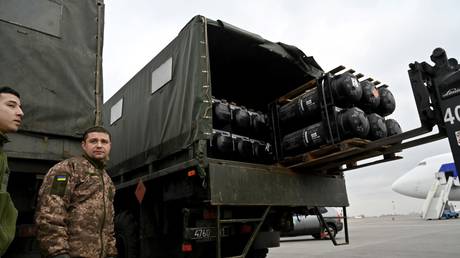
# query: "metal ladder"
{"type": "Point", "coordinates": [345, 222]}
{"type": "Point", "coordinates": [437, 197]}
{"type": "Point", "coordinates": [230, 221]}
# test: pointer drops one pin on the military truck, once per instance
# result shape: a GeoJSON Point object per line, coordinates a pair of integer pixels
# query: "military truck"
{"type": "Point", "coordinates": [196, 177]}
{"type": "Point", "coordinates": [51, 53]}
{"type": "Point", "coordinates": [177, 188]}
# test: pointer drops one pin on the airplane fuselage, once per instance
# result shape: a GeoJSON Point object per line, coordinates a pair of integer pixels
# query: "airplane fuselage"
{"type": "Point", "coordinates": [418, 181]}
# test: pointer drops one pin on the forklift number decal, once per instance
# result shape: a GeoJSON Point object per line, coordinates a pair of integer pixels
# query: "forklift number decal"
{"type": "Point", "coordinates": [452, 116]}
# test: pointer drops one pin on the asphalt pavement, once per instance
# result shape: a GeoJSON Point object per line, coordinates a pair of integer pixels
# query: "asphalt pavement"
{"type": "Point", "coordinates": [391, 236]}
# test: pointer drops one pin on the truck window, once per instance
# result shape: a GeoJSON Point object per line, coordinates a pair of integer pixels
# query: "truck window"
{"type": "Point", "coordinates": [116, 111]}
{"type": "Point", "coordinates": [161, 75]}
{"type": "Point", "coordinates": [40, 15]}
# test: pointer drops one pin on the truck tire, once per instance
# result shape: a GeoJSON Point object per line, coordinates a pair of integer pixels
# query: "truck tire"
{"type": "Point", "coordinates": [317, 236]}
{"type": "Point", "coordinates": [258, 253]}
{"type": "Point", "coordinates": [203, 250]}
{"type": "Point", "coordinates": [126, 233]}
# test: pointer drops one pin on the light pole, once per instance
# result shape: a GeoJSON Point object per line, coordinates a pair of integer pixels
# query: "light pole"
{"type": "Point", "coordinates": [394, 210]}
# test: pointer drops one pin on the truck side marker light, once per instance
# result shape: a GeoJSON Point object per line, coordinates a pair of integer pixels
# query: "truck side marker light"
{"type": "Point", "coordinates": [209, 214]}
{"type": "Point", "coordinates": [140, 191]}
{"type": "Point", "coordinates": [245, 229]}
{"type": "Point", "coordinates": [191, 173]}
{"type": "Point", "coordinates": [186, 247]}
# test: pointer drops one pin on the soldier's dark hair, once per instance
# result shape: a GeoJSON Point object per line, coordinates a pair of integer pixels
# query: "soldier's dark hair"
{"type": "Point", "coordinates": [8, 90]}
{"type": "Point", "coordinates": [96, 129]}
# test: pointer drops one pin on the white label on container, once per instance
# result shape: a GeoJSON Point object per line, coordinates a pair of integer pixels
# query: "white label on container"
{"type": "Point", "coordinates": [355, 82]}
{"type": "Point", "coordinates": [305, 136]}
{"type": "Point", "coordinates": [314, 135]}
{"type": "Point", "coordinates": [301, 105]}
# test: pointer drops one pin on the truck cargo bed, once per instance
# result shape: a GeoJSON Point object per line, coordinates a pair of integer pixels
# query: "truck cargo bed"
{"type": "Point", "coordinates": [237, 183]}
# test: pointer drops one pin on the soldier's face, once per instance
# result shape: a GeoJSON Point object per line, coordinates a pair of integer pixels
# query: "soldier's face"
{"type": "Point", "coordinates": [10, 113]}
{"type": "Point", "coordinates": [97, 145]}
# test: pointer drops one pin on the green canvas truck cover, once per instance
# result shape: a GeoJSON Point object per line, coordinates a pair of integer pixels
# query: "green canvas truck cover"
{"type": "Point", "coordinates": [167, 105]}
{"type": "Point", "coordinates": [50, 52]}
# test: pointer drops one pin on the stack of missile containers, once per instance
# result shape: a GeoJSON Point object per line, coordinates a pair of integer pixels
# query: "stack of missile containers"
{"type": "Point", "coordinates": [331, 109]}
{"type": "Point", "coordinates": [240, 134]}
{"type": "Point", "coordinates": [328, 110]}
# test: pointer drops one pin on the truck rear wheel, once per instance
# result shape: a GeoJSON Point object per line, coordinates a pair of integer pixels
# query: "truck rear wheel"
{"type": "Point", "coordinates": [258, 253]}
{"type": "Point", "coordinates": [126, 233]}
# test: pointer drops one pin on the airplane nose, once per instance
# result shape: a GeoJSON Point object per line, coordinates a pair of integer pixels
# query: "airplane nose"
{"type": "Point", "coordinates": [398, 186]}
{"type": "Point", "coordinates": [404, 185]}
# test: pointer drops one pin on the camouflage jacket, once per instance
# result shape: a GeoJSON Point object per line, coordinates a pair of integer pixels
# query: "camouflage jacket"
{"type": "Point", "coordinates": [8, 213]}
{"type": "Point", "coordinates": [3, 164]}
{"type": "Point", "coordinates": [75, 210]}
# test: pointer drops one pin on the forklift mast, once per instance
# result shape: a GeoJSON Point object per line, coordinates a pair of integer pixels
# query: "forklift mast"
{"type": "Point", "coordinates": [437, 95]}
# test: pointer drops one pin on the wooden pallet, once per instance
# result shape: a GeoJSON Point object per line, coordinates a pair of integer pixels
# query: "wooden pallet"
{"type": "Point", "coordinates": [309, 85]}
{"type": "Point", "coordinates": [334, 156]}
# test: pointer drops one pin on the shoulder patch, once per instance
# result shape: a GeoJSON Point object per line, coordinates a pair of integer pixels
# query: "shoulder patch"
{"type": "Point", "coordinates": [59, 185]}
{"type": "Point", "coordinates": [60, 178]}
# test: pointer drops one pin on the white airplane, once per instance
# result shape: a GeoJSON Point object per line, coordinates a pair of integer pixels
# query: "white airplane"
{"type": "Point", "coordinates": [418, 181]}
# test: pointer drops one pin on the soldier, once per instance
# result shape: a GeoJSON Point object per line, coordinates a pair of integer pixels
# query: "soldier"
{"type": "Point", "coordinates": [75, 203]}
{"type": "Point", "coordinates": [10, 119]}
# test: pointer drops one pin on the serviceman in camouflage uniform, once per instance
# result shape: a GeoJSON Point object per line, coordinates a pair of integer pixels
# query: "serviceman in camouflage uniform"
{"type": "Point", "coordinates": [75, 204]}
{"type": "Point", "coordinates": [10, 119]}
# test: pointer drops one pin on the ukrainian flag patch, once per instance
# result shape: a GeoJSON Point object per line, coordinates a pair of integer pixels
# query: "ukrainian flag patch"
{"type": "Point", "coordinates": [59, 185]}
{"type": "Point", "coordinates": [61, 178]}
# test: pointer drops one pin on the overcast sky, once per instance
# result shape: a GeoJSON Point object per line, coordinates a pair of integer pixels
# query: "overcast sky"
{"type": "Point", "coordinates": [376, 38]}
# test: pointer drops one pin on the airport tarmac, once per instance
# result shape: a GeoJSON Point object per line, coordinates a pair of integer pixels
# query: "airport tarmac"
{"type": "Point", "coordinates": [405, 236]}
